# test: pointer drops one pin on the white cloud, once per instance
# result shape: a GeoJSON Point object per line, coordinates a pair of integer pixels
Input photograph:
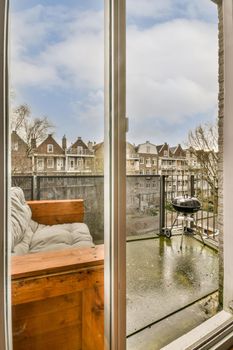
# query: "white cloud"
{"type": "Point", "coordinates": [172, 70]}
{"type": "Point", "coordinates": [171, 66]}
{"type": "Point", "coordinates": [166, 9]}
{"type": "Point", "coordinates": [149, 8]}
{"type": "Point", "coordinates": [70, 50]}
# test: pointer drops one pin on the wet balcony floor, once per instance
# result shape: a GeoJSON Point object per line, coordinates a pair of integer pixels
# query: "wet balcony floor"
{"type": "Point", "coordinates": [163, 280]}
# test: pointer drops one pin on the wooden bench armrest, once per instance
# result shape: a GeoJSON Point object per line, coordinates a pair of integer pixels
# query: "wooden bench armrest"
{"type": "Point", "coordinates": [55, 262]}
{"type": "Point", "coordinates": [51, 212]}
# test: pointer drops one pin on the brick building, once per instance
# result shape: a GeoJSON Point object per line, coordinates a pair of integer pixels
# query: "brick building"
{"type": "Point", "coordinates": [49, 157]}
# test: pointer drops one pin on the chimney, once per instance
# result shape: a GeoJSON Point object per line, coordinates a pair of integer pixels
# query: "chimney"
{"type": "Point", "coordinates": [90, 145]}
{"type": "Point", "coordinates": [64, 142]}
{"type": "Point", "coordinates": [33, 142]}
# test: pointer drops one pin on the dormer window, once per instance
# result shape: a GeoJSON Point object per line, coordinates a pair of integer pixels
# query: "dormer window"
{"type": "Point", "coordinates": [79, 149]}
{"type": "Point", "coordinates": [50, 148]}
{"type": "Point", "coordinates": [165, 153]}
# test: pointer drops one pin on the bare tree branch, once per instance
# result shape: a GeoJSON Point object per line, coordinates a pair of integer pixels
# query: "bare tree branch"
{"type": "Point", "coordinates": [203, 146]}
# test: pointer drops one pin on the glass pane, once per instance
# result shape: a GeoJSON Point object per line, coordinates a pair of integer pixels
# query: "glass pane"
{"type": "Point", "coordinates": [172, 97]}
{"type": "Point", "coordinates": [57, 130]}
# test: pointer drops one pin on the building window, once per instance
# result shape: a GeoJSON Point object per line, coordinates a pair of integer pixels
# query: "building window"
{"type": "Point", "coordinates": [141, 172]}
{"type": "Point", "coordinates": [148, 172]}
{"type": "Point", "coordinates": [15, 146]}
{"type": "Point", "coordinates": [49, 148]}
{"type": "Point", "coordinates": [71, 163]}
{"type": "Point", "coordinates": [50, 163]}
{"type": "Point", "coordinates": [80, 163]}
{"type": "Point", "coordinates": [40, 164]}
{"type": "Point", "coordinates": [141, 160]}
{"type": "Point", "coordinates": [60, 163]}
{"type": "Point", "coordinates": [165, 153]}
{"type": "Point", "coordinates": [148, 161]}
{"type": "Point", "coordinates": [79, 149]}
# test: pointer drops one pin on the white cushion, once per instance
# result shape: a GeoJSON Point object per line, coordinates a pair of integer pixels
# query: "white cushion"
{"type": "Point", "coordinates": [60, 236]}
{"type": "Point", "coordinates": [20, 219]}
{"type": "Point", "coordinates": [30, 237]}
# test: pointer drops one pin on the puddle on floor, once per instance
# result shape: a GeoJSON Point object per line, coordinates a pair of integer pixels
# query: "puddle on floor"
{"type": "Point", "coordinates": [161, 278]}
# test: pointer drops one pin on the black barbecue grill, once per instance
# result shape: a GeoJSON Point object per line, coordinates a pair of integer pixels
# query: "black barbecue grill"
{"type": "Point", "coordinates": [185, 207]}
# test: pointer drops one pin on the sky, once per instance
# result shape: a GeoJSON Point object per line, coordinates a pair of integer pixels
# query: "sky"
{"type": "Point", "coordinates": [57, 66]}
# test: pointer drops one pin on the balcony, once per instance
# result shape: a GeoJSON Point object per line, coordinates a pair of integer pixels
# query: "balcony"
{"type": "Point", "coordinates": [80, 153]}
{"type": "Point", "coordinates": [132, 157]}
{"type": "Point", "coordinates": [167, 285]}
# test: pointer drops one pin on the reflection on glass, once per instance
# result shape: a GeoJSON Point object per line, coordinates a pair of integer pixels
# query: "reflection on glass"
{"type": "Point", "coordinates": [57, 98]}
{"type": "Point", "coordinates": [172, 100]}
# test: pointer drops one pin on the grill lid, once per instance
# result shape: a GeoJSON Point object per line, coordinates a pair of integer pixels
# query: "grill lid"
{"type": "Point", "coordinates": [186, 204]}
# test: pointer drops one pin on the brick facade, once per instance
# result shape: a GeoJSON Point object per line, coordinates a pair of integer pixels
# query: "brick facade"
{"type": "Point", "coordinates": [220, 145]}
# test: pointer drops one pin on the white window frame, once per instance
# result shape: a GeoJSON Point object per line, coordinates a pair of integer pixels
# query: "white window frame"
{"type": "Point", "coordinates": [115, 127]}
{"type": "Point", "coordinates": [71, 160]}
{"type": "Point", "coordinates": [141, 160]}
{"type": "Point", "coordinates": [39, 168]}
{"type": "Point", "coordinates": [5, 277]}
{"type": "Point", "coordinates": [79, 149]}
{"type": "Point", "coordinates": [48, 148]}
{"type": "Point", "coordinates": [60, 163]}
{"type": "Point", "coordinates": [52, 163]}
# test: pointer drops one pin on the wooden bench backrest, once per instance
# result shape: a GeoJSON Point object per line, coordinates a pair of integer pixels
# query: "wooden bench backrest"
{"type": "Point", "coordinates": [52, 212]}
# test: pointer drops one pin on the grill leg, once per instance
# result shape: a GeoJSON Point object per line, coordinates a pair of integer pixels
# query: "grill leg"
{"type": "Point", "coordinates": [198, 231]}
{"type": "Point", "coordinates": [181, 243]}
{"type": "Point", "coordinates": [173, 224]}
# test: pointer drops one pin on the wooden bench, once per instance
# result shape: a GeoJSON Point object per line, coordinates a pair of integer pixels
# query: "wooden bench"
{"type": "Point", "coordinates": [57, 296]}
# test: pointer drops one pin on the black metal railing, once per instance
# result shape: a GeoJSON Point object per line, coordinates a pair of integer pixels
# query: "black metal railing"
{"type": "Point", "coordinates": [143, 199]}
{"type": "Point", "coordinates": [149, 208]}
{"type": "Point", "coordinates": [26, 183]}
{"type": "Point", "coordinates": [197, 185]}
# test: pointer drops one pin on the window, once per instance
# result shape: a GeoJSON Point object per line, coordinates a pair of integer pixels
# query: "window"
{"type": "Point", "coordinates": [80, 163]}
{"type": "Point", "coordinates": [60, 163]}
{"type": "Point", "coordinates": [50, 148]}
{"type": "Point", "coordinates": [71, 161]}
{"type": "Point", "coordinates": [148, 163]}
{"type": "Point", "coordinates": [79, 149]}
{"type": "Point", "coordinates": [15, 146]}
{"type": "Point", "coordinates": [229, 175]}
{"type": "Point", "coordinates": [141, 172]}
{"type": "Point", "coordinates": [40, 164]}
{"type": "Point", "coordinates": [154, 161]}
{"type": "Point", "coordinates": [165, 153]}
{"type": "Point", "coordinates": [141, 160]}
{"type": "Point", "coordinates": [50, 163]}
